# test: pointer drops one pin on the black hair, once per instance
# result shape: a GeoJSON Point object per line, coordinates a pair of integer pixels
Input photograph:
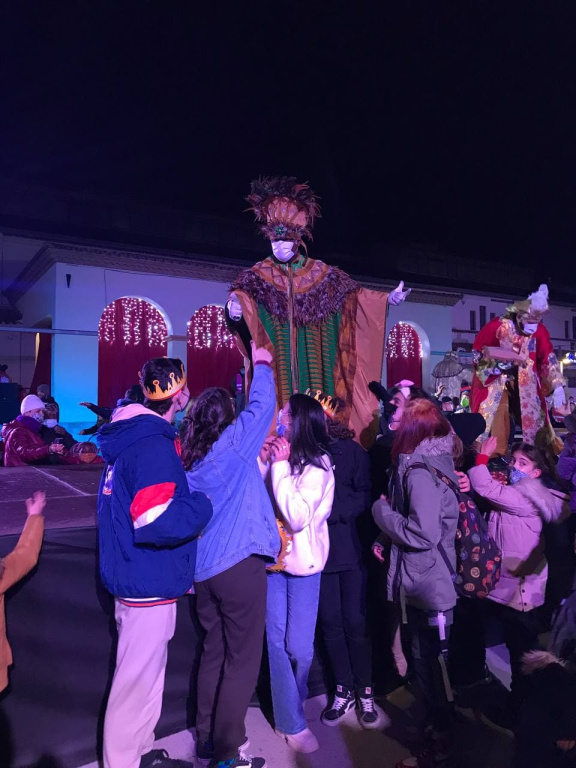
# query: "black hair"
{"type": "Point", "coordinates": [212, 412]}
{"type": "Point", "coordinates": [135, 394]}
{"type": "Point", "coordinates": [159, 369]}
{"type": "Point", "coordinates": [446, 399]}
{"type": "Point", "coordinates": [309, 438]}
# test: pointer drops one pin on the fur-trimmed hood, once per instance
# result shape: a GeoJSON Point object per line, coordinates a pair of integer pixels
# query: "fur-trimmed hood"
{"type": "Point", "coordinates": [552, 505]}
{"type": "Point", "coordinates": [440, 449]}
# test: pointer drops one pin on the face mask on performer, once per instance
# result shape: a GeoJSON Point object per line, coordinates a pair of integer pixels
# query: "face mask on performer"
{"type": "Point", "coordinates": [284, 250]}
{"type": "Point", "coordinates": [528, 328]}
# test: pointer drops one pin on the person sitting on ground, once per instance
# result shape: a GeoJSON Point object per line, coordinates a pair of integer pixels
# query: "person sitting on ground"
{"type": "Point", "coordinates": [23, 442]}
{"type": "Point", "coordinates": [52, 432]}
{"type": "Point", "coordinates": [546, 732]}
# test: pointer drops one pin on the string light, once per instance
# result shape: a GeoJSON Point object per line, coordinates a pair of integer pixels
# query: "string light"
{"type": "Point", "coordinates": [403, 342]}
{"type": "Point", "coordinates": [207, 329]}
{"type": "Point", "coordinates": [136, 320]}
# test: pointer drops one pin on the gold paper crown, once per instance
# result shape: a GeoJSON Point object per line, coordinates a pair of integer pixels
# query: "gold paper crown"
{"type": "Point", "coordinates": [172, 388]}
{"type": "Point", "coordinates": [330, 405]}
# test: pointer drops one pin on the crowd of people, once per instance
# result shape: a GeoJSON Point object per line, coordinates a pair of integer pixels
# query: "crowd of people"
{"type": "Point", "coordinates": [277, 534]}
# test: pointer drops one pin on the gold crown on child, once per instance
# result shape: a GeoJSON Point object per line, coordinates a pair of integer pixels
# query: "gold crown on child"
{"type": "Point", "coordinates": [172, 388]}
{"type": "Point", "coordinates": [330, 405]}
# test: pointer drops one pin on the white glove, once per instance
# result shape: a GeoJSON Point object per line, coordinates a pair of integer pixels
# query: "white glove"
{"type": "Point", "coordinates": [398, 295]}
{"type": "Point", "coordinates": [234, 307]}
{"type": "Point", "coordinates": [559, 398]}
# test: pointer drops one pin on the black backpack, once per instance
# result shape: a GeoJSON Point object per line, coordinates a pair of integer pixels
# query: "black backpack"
{"type": "Point", "coordinates": [478, 559]}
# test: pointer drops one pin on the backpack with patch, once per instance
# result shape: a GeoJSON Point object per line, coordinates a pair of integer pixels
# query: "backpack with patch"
{"type": "Point", "coordinates": [478, 559]}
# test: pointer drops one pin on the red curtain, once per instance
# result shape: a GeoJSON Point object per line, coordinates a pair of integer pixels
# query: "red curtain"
{"type": "Point", "coordinates": [130, 332]}
{"type": "Point", "coordinates": [213, 358]}
{"type": "Point", "coordinates": [403, 355]}
{"type": "Point", "coordinates": [43, 369]}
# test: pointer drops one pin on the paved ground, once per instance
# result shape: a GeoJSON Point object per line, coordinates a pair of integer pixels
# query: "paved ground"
{"type": "Point", "coordinates": [349, 746]}
{"type": "Point", "coordinates": [71, 495]}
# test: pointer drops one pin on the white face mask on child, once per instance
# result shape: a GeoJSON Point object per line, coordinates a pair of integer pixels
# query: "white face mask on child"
{"type": "Point", "coordinates": [50, 423]}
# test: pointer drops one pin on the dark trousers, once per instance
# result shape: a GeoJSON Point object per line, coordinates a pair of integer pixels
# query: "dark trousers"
{"type": "Point", "coordinates": [428, 670]}
{"type": "Point", "coordinates": [468, 640]}
{"type": "Point", "coordinates": [342, 612]}
{"type": "Point", "coordinates": [232, 609]}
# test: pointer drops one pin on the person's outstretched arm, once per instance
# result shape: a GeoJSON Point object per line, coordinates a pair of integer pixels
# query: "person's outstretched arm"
{"type": "Point", "coordinates": [25, 554]}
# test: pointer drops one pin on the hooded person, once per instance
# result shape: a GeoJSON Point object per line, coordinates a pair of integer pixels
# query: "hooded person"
{"type": "Point", "coordinates": [23, 440]}
{"type": "Point", "coordinates": [148, 523]}
{"type": "Point", "coordinates": [326, 331]}
{"type": "Point", "coordinates": [515, 370]}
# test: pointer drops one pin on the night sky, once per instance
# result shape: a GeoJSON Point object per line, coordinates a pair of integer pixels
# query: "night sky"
{"type": "Point", "coordinates": [447, 123]}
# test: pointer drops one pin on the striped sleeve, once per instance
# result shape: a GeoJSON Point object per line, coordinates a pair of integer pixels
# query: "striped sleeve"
{"type": "Point", "coordinates": [151, 502]}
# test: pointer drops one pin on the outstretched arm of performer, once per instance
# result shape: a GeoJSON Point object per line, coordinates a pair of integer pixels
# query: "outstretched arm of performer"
{"type": "Point", "coordinates": [398, 295]}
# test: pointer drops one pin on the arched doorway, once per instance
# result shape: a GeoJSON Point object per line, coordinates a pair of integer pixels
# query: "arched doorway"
{"type": "Point", "coordinates": [403, 355]}
{"type": "Point", "coordinates": [131, 331]}
{"type": "Point", "coordinates": [213, 357]}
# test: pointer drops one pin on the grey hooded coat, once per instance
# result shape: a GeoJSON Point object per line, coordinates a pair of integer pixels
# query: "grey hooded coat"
{"type": "Point", "coordinates": [430, 518]}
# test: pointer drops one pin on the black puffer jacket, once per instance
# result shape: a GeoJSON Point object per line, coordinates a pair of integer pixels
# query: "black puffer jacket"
{"type": "Point", "coordinates": [351, 500]}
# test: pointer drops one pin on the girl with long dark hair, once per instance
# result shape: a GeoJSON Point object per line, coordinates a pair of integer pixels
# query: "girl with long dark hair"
{"type": "Point", "coordinates": [302, 484]}
{"type": "Point", "coordinates": [220, 455]}
{"type": "Point", "coordinates": [344, 579]}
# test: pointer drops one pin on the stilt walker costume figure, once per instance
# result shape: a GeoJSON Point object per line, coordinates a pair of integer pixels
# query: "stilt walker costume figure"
{"type": "Point", "coordinates": [515, 370]}
{"type": "Point", "coordinates": [326, 332]}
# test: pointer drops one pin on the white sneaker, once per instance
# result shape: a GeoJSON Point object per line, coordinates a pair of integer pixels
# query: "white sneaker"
{"type": "Point", "coordinates": [304, 742]}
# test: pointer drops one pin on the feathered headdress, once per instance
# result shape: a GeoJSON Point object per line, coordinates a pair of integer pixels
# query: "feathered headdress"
{"type": "Point", "coordinates": [533, 308]}
{"type": "Point", "coordinates": [284, 208]}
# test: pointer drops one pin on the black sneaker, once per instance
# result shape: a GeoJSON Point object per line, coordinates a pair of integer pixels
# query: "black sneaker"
{"type": "Point", "coordinates": [242, 761]}
{"type": "Point", "coordinates": [341, 703]}
{"type": "Point", "coordinates": [205, 752]}
{"type": "Point", "coordinates": [159, 758]}
{"type": "Point", "coordinates": [368, 713]}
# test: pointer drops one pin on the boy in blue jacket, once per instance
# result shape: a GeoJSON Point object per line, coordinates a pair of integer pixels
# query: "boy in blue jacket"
{"type": "Point", "coordinates": [148, 523]}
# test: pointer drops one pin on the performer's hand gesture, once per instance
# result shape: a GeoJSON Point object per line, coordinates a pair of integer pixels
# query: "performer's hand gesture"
{"type": "Point", "coordinates": [260, 355]}
{"type": "Point", "coordinates": [398, 295]}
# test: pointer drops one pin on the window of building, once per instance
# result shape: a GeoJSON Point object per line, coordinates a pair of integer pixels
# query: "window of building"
{"type": "Point", "coordinates": [482, 316]}
{"type": "Point", "coordinates": [492, 315]}
{"type": "Point", "coordinates": [473, 319]}
{"type": "Point", "coordinates": [566, 329]}
{"type": "Point", "coordinates": [574, 327]}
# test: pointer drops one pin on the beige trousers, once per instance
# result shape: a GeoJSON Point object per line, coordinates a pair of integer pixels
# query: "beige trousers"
{"type": "Point", "coordinates": [135, 700]}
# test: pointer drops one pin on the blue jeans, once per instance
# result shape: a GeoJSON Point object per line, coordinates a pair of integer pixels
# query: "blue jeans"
{"type": "Point", "coordinates": [291, 612]}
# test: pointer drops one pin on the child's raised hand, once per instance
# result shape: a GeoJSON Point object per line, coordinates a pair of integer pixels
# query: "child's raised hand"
{"type": "Point", "coordinates": [35, 505]}
{"type": "Point", "coordinates": [488, 446]}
